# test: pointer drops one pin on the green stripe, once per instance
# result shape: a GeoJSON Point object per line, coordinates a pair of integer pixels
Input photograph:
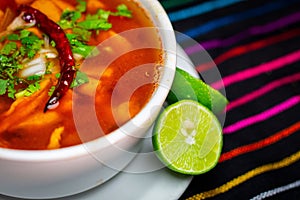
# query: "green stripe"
{"type": "Point", "coordinates": [168, 4]}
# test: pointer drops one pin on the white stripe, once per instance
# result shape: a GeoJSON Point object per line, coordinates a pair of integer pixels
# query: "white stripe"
{"type": "Point", "coordinates": [275, 191]}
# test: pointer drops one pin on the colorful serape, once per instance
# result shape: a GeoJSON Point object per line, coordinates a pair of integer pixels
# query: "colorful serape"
{"type": "Point", "coordinates": [255, 46]}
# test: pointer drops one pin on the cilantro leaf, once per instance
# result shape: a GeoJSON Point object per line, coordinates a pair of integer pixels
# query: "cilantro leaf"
{"type": "Point", "coordinates": [31, 44]}
{"type": "Point", "coordinates": [11, 89]}
{"type": "Point", "coordinates": [13, 37]}
{"type": "Point", "coordinates": [81, 7]}
{"type": "Point", "coordinates": [78, 46]}
{"type": "Point", "coordinates": [68, 18]}
{"type": "Point", "coordinates": [24, 33]}
{"type": "Point", "coordinates": [50, 92]}
{"type": "Point", "coordinates": [80, 79]}
{"type": "Point", "coordinates": [95, 24]}
{"type": "Point", "coordinates": [83, 29]}
{"type": "Point", "coordinates": [82, 34]}
{"type": "Point", "coordinates": [65, 24]}
{"type": "Point", "coordinates": [83, 50]}
{"type": "Point", "coordinates": [9, 48]}
{"type": "Point", "coordinates": [101, 14]}
{"type": "Point", "coordinates": [32, 88]}
{"type": "Point", "coordinates": [122, 10]}
{"type": "Point", "coordinates": [52, 43]}
{"type": "Point", "coordinates": [18, 46]}
{"type": "Point", "coordinates": [71, 15]}
{"type": "Point", "coordinates": [3, 86]}
{"type": "Point", "coordinates": [34, 78]}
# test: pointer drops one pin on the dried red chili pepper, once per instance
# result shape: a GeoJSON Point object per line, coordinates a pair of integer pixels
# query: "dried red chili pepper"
{"type": "Point", "coordinates": [67, 62]}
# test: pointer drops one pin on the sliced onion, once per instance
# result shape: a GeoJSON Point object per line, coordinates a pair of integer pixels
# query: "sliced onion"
{"type": "Point", "coordinates": [36, 66]}
{"type": "Point", "coordinates": [49, 53]}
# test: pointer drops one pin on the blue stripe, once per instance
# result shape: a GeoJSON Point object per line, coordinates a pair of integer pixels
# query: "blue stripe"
{"type": "Point", "coordinates": [214, 24]}
{"type": "Point", "coordinates": [199, 9]}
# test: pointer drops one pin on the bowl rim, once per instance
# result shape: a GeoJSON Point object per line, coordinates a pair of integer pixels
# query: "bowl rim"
{"type": "Point", "coordinates": [155, 10]}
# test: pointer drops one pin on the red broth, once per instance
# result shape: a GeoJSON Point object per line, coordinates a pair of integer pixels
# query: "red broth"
{"type": "Point", "coordinates": [24, 125]}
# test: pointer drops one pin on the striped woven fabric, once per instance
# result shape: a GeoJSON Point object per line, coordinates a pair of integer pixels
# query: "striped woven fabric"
{"type": "Point", "coordinates": [255, 48]}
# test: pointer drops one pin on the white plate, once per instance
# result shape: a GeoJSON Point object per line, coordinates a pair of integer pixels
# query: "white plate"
{"type": "Point", "coordinates": [145, 178]}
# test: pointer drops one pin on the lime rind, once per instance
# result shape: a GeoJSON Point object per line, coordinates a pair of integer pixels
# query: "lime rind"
{"type": "Point", "coordinates": [172, 146]}
{"type": "Point", "coordinates": [185, 86]}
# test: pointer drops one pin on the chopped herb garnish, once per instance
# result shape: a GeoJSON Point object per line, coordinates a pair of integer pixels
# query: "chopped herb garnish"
{"type": "Point", "coordinates": [50, 92]}
{"type": "Point", "coordinates": [32, 88]}
{"type": "Point", "coordinates": [101, 14]}
{"type": "Point", "coordinates": [81, 7]}
{"type": "Point", "coordinates": [52, 43]}
{"type": "Point", "coordinates": [9, 48]}
{"type": "Point", "coordinates": [11, 89]}
{"type": "Point", "coordinates": [11, 62]}
{"type": "Point", "coordinates": [3, 86]}
{"type": "Point", "coordinates": [95, 24]}
{"type": "Point", "coordinates": [32, 45]}
{"type": "Point", "coordinates": [81, 78]}
{"type": "Point", "coordinates": [82, 34]}
{"type": "Point", "coordinates": [49, 66]}
{"type": "Point", "coordinates": [72, 16]}
{"type": "Point", "coordinates": [65, 24]}
{"type": "Point", "coordinates": [57, 75]}
{"type": "Point", "coordinates": [23, 45]}
{"type": "Point", "coordinates": [34, 78]}
{"type": "Point", "coordinates": [123, 11]}
{"type": "Point", "coordinates": [82, 30]}
{"type": "Point", "coordinates": [78, 46]}
{"type": "Point", "coordinates": [24, 33]}
{"type": "Point", "coordinates": [84, 50]}
{"type": "Point", "coordinates": [13, 37]}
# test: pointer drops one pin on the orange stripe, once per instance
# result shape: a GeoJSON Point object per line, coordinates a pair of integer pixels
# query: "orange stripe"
{"type": "Point", "coordinates": [247, 176]}
{"type": "Point", "coordinates": [260, 144]}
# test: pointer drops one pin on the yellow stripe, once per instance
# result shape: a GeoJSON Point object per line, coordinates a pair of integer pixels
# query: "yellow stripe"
{"type": "Point", "coordinates": [250, 174]}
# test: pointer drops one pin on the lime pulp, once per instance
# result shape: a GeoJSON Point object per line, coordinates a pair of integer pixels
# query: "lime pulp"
{"type": "Point", "coordinates": [187, 138]}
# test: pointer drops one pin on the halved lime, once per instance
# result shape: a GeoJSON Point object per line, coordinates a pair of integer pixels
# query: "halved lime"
{"type": "Point", "coordinates": [187, 138]}
{"type": "Point", "coordinates": [185, 86]}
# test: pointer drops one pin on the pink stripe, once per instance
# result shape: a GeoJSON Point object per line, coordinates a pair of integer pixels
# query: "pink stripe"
{"type": "Point", "coordinates": [261, 91]}
{"type": "Point", "coordinates": [262, 116]}
{"type": "Point", "coordinates": [249, 73]}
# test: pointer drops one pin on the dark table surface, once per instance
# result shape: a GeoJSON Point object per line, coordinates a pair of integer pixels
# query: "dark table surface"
{"type": "Point", "coordinates": [255, 47]}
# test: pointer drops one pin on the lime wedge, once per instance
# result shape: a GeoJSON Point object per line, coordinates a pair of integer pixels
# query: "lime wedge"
{"type": "Point", "coordinates": [187, 138]}
{"type": "Point", "coordinates": [185, 86]}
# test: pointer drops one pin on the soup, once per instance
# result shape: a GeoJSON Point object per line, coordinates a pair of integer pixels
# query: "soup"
{"type": "Point", "coordinates": [37, 90]}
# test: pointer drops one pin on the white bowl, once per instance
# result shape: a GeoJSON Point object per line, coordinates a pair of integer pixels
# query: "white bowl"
{"type": "Point", "coordinates": [67, 171]}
